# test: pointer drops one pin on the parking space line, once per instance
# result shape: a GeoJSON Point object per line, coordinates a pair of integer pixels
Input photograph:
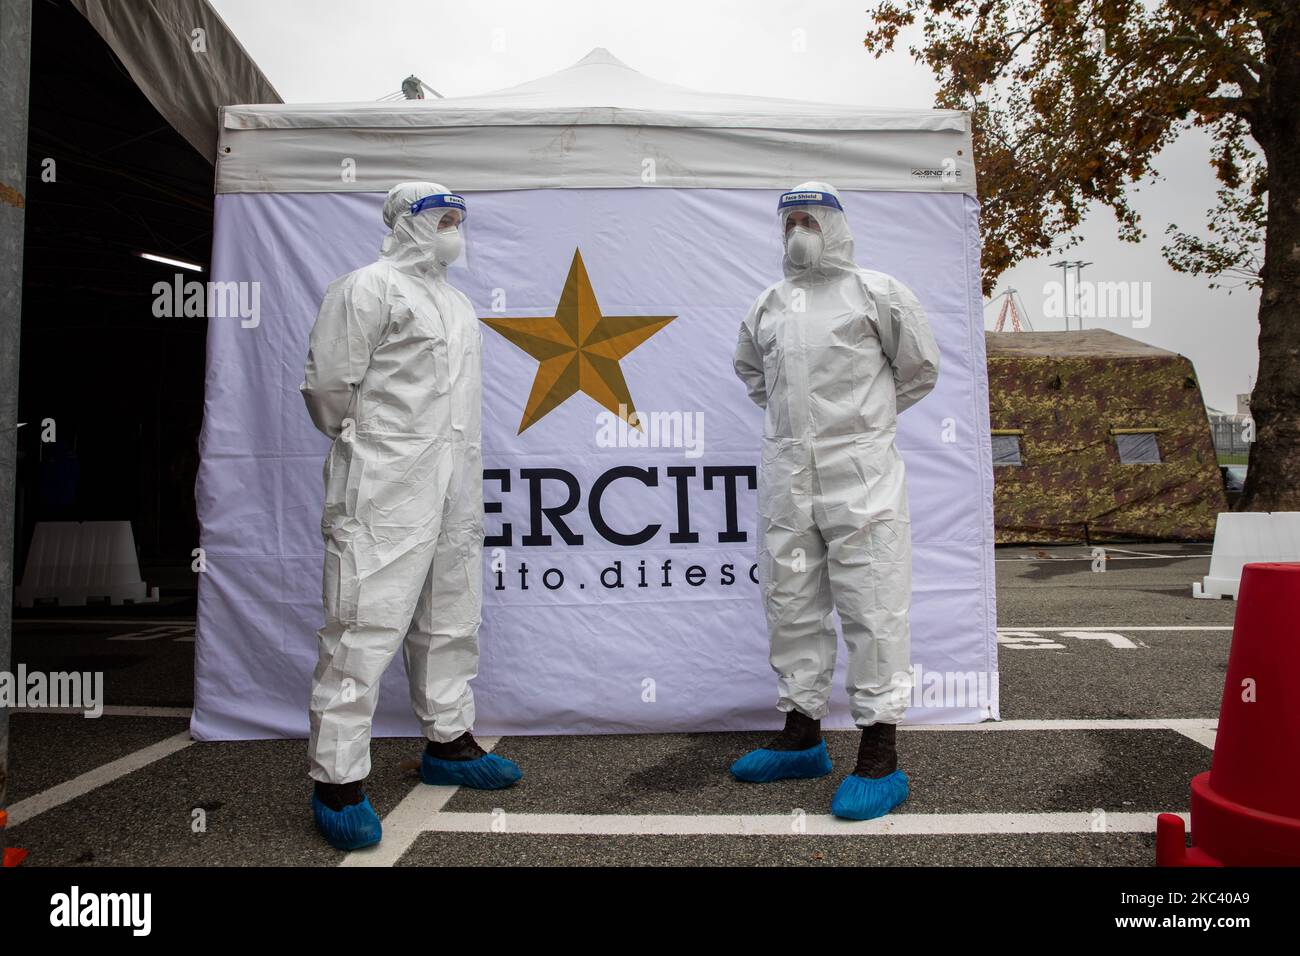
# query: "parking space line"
{"type": "Point", "coordinates": [421, 811]}
{"type": "Point", "coordinates": [792, 824]}
{"type": "Point", "coordinates": [25, 809]}
{"type": "Point", "coordinates": [1118, 627]}
{"type": "Point", "coordinates": [408, 820]}
{"type": "Point", "coordinates": [1200, 729]}
{"type": "Point", "coordinates": [1109, 558]}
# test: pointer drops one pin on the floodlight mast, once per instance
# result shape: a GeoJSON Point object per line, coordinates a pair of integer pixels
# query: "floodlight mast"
{"type": "Point", "coordinates": [1069, 295]}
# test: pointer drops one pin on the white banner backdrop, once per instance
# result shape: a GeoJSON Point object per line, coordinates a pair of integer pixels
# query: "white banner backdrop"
{"type": "Point", "coordinates": [573, 508]}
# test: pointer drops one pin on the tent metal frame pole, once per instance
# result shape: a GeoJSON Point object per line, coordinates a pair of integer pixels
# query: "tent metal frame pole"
{"type": "Point", "coordinates": [15, 74]}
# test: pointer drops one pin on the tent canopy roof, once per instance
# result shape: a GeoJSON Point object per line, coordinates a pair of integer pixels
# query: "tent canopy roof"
{"type": "Point", "coordinates": [596, 124]}
{"type": "Point", "coordinates": [598, 89]}
{"type": "Point", "coordinates": [1090, 343]}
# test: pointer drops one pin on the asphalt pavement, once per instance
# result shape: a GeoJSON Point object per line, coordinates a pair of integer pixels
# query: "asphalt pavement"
{"type": "Point", "coordinates": [1109, 684]}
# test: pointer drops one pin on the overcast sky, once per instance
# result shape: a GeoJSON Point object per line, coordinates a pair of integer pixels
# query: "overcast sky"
{"type": "Point", "coordinates": [341, 50]}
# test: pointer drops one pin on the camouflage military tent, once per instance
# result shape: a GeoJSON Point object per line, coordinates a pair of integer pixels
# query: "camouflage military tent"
{"type": "Point", "coordinates": [1098, 437]}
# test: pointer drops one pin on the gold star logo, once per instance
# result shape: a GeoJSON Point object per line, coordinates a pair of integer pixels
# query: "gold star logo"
{"type": "Point", "coordinates": [578, 349]}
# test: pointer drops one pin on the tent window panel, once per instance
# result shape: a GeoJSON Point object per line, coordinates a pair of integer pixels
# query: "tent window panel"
{"type": "Point", "coordinates": [1006, 450]}
{"type": "Point", "coordinates": [1138, 449]}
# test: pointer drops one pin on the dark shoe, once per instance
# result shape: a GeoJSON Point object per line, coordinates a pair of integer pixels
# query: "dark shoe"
{"type": "Point", "coordinates": [336, 796]}
{"type": "Point", "coordinates": [877, 751]}
{"type": "Point", "coordinates": [464, 747]}
{"type": "Point", "coordinates": [800, 733]}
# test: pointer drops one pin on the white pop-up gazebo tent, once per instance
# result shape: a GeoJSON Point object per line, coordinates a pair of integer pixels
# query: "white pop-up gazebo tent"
{"type": "Point", "coordinates": [618, 570]}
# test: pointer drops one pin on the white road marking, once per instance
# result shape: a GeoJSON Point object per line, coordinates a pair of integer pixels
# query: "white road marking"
{"type": "Point", "coordinates": [1109, 558]}
{"type": "Point", "coordinates": [1117, 627]}
{"type": "Point", "coordinates": [24, 810]}
{"type": "Point", "coordinates": [1110, 637]}
{"type": "Point", "coordinates": [1027, 638]}
{"type": "Point", "coordinates": [421, 810]}
{"type": "Point", "coordinates": [1025, 641]}
{"type": "Point", "coordinates": [111, 710]}
{"type": "Point", "coordinates": [1200, 729]}
{"type": "Point", "coordinates": [408, 820]}
{"type": "Point", "coordinates": [1148, 554]}
{"type": "Point", "coordinates": [897, 824]}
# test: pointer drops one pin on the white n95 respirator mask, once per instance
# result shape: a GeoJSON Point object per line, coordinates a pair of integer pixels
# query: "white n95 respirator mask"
{"type": "Point", "coordinates": [448, 245]}
{"type": "Point", "coordinates": [803, 246]}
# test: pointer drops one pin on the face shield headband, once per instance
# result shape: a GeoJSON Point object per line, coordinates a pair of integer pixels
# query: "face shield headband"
{"type": "Point", "coordinates": [441, 201]}
{"type": "Point", "coordinates": [807, 198]}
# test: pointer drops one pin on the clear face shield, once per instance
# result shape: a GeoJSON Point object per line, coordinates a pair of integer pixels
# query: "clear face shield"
{"type": "Point", "coordinates": [804, 218]}
{"type": "Point", "coordinates": [438, 224]}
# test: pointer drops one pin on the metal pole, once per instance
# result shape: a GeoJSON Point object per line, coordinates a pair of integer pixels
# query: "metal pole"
{"type": "Point", "coordinates": [15, 69]}
{"type": "Point", "coordinates": [1064, 266]}
{"type": "Point", "coordinates": [1078, 281]}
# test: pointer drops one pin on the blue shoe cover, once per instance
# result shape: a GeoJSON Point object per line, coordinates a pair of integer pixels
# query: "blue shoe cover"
{"type": "Point", "coordinates": [861, 798]}
{"type": "Point", "coordinates": [350, 828]}
{"type": "Point", "coordinates": [764, 766]}
{"type": "Point", "coordinates": [488, 772]}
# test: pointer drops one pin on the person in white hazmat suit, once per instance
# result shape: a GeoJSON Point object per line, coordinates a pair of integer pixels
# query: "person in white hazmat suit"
{"type": "Point", "coordinates": [833, 353]}
{"type": "Point", "coordinates": [394, 379]}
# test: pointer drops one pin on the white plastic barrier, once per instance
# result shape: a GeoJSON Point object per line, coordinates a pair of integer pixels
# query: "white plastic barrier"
{"type": "Point", "coordinates": [75, 562]}
{"type": "Point", "coordinates": [1244, 537]}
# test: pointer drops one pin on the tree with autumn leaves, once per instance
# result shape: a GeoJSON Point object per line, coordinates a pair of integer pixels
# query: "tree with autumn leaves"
{"type": "Point", "coordinates": [1072, 101]}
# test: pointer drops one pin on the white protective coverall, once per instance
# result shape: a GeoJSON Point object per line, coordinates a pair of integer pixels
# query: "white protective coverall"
{"type": "Point", "coordinates": [833, 353]}
{"type": "Point", "coordinates": [394, 378]}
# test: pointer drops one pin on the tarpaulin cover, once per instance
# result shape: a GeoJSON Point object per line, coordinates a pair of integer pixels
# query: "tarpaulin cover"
{"type": "Point", "coordinates": [185, 60]}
